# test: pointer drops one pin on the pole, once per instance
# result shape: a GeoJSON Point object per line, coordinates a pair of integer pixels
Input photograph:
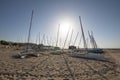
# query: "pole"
{"type": "Point", "coordinates": [80, 42]}
{"type": "Point", "coordinates": [36, 38]}
{"type": "Point", "coordinates": [66, 38]}
{"type": "Point", "coordinates": [47, 40]}
{"type": "Point", "coordinates": [75, 38]}
{"type": "Point", "coordinates": [39, 37]}
{"type": "Point", "coordinates": [57, 35]}
{"type": "Point", "coordinates": [94, 42]}
{"type": "Point", "coordinates": [30, 29]}
{"type": "Point", "coordinates": [91, 40]}
{"type": "Point", "coordinates": [71, 37]}
{"type": "Point", "coordinates": [85, 45]}
{"type": "Point", "coordinates": [43, 39]}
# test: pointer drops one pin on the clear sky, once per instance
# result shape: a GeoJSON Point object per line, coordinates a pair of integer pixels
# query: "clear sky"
{"type": "Point", "coordinates": [100, 16]}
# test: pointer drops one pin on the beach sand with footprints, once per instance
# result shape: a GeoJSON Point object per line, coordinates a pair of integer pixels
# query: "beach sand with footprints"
{"type": "Point", "coordinates": [57, 67]}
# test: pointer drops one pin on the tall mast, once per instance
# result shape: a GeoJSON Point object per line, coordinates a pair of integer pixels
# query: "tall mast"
{"type": "Point", "coordinates": [87, 42]}
{"type": "Point", "coordinates": [36, 38]}
{"type": "Point", "coordinates": [47, 41]}
{"type": "Point", "coordinates": [43, 40]}
{"type": "Point", "coordinates": [66, 38]}
{"type": "Point", "coordinates": [92, 44]}
{"type": "Point", "coordinates": [39, 37]}
{"type": "Point", "coordinates": [71, 37]}
{"type": "Point", "coordinates": [85, 45]}
{"type": "Point", "coordinates": [75, 38]}
{"type": "Point", "coordinates": [30, 29]}
{"type": "Point", "coordinates": [80, 42]}
{"type": "Point", "coordinates": [57, 35]}
{"type": "Point", "coordinates": [60, 42]}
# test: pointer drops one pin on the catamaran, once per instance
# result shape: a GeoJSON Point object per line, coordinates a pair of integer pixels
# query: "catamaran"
{"type": "Point", "coordinates": [29, 51]}
{"type": "Point", "coordinates": [89, 53]}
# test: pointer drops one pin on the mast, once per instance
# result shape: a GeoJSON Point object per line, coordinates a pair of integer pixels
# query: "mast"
{"type": "Point", "coordinates": [76, 38]}
{"type": "Point", "coordinates": [30, 29]}
{"type": "Point", "coordinates": [43, 40]}
{"type": "Point", "coordinates": [60, 43]}
{"type": "Point", "coordinates": [47, 41]}
{"type": "Point", "coordinates": [85, 45]}
{"type": "Point", "coordinates": [39, 38]}
{"type": "Point", "coordinates": [94, 42]}
{"type": "Point", "coordinates": [57, 35]}
{"type": "Point", "coordinates": [87, 42]}
{"type": "Point", "coordinates": [80, 42]}
{"type": "Point", "coordinates": [91, 39]}
{"type": "Point", "coordinates": [71, 37]}
{"type": "Point", "coordinates": [66, 38]}
{"type": "Point", "coordinates": [36, 38]}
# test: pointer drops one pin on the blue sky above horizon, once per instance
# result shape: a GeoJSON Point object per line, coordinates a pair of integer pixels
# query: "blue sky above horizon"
{"type": "Point", "coordinates": [100, 16]}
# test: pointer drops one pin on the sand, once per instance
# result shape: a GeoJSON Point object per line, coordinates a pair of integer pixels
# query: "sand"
{"type": "Point", "coordinates": [54, 67]}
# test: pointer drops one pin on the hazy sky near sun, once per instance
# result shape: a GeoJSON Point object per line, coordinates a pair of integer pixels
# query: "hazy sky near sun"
{"type": "Point", "coordinates": [100, 16]}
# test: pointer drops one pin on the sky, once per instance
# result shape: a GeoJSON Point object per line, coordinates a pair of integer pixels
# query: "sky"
{"type": "Point", "coordinates": [100, 16]}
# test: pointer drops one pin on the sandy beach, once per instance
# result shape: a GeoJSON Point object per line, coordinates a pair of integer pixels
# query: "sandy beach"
{"type": "Point", "coordinates": [54, 67]}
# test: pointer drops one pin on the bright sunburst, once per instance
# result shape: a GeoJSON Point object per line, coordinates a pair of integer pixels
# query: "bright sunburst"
{"type": "Point", "coordinates": [64, 27]}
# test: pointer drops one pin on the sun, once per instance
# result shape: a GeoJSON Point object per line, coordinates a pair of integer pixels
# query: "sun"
{"type": "Point", "coordinates": [64, 27]}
